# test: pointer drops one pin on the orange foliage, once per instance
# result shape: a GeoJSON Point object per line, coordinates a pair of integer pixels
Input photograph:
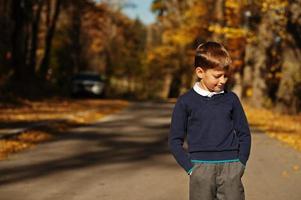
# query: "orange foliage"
{"type": "Point", "coordinates": [286, 128]}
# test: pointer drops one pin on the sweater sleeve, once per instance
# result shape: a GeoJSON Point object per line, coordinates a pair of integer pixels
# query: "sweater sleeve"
{"type": "Point", "coordinates": [241, 127]}
{"type": "Point", "coordinates": [178, 131]}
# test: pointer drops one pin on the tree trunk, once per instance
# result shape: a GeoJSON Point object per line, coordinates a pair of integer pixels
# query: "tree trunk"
{"type": "Point", "coordinates": [218, 18]}
{"type": "Point", "coordinates": [166, 86]}
{"type": "Point", "coordinates": [287, 99]}
{"type": "Point", "coordinates": [18, 39]}
{"type": "Point", "coordinates": [76, 35]}
{"type": "Point", "coordinates": [49, 36]}
{"type": "Point", "coordinates": [259, 60]}
{"type": "Point", "coordinates": [34, 39]}
{"type": "Point", "coordinates": [5, 34]}
{"type": "Point", "coordinates": [259, 86]}
{"type": "Point", "coordinates": [248, 71]}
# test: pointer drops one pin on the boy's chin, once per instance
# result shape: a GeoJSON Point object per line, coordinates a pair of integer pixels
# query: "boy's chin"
{"type": "Point", "coordinates": [219, 89]}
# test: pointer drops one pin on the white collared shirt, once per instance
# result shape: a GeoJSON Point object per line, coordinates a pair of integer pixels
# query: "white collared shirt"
{"type": "Point", "coordinates": [203, 92]}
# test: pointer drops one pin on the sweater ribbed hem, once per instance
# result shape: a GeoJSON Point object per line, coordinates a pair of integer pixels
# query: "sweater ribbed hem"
{"type": "Point", "coordinates": [214, 155]}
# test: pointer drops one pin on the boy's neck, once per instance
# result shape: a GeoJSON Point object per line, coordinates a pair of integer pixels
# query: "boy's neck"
{"type": "Point", "coordinates": [203, 86]}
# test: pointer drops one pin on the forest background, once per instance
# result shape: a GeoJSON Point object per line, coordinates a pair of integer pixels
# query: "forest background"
{"type": "Point", "coordinates": [44, 42]}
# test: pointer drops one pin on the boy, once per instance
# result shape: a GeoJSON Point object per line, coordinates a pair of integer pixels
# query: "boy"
{"type": "Point", "coordinates": [217, 130]}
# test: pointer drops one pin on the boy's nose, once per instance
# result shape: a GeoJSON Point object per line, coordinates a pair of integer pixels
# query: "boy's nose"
{"type": "Point", "coordinates": [223, 80]}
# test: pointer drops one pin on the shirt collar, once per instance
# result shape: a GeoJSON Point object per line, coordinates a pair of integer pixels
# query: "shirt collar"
{"type": "Point", "coordinates": [203, 92]}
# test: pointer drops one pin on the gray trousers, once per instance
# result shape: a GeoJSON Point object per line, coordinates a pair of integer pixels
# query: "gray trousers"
{"type": "Point", "coordinates": [217, 181]}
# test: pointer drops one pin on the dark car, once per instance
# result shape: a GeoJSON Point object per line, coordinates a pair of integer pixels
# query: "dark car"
{"type": "Point", "coordinates": [87, 83]}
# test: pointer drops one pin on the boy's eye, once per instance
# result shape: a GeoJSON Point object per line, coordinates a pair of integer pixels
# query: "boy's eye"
{"type": "Point", "coordinates": [218, 76]}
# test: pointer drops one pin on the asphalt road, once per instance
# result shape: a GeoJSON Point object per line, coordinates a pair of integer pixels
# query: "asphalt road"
{"type": "Point", "coordinates": [125, 157]}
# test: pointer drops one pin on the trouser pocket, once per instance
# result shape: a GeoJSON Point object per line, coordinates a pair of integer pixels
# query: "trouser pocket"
{"type": "Point", "coordinates": [242, 168]}
{"type": "Point", "coordinates": [195, 168]}
{"type": "Point", "coordinates": [202, 182]}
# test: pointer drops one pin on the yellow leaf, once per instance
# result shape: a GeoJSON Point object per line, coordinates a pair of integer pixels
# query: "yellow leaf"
{"type": "Point", "coordinates": [296, 167]}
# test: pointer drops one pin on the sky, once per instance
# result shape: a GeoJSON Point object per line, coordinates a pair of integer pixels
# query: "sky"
{"type": "Point", "coordinates": [142, 11]}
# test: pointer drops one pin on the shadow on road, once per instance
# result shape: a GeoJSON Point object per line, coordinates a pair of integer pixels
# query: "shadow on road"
{"type": "Point", "coordinates": [135, 134]}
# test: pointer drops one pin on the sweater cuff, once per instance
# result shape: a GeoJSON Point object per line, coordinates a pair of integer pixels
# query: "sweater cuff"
{"type": "Point", "coordinates": [189, 167]}
{"type": "Point", "coordinates": [190, 171]}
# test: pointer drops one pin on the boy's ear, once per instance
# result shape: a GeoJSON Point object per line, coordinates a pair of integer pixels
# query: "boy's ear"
{"type": "Point", "coordinates": [199, 72]}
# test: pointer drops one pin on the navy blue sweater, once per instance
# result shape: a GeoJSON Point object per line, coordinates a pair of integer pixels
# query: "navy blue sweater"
{"type": "Point", "coordinates": [216, 128]}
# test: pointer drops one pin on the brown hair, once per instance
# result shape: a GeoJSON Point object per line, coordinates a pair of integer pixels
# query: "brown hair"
{"type": "Point", "coordinates": [212, 55]}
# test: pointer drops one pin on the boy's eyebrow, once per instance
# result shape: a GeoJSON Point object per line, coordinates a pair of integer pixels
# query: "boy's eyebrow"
{"type": "Point", "coordinates": [220, 73]}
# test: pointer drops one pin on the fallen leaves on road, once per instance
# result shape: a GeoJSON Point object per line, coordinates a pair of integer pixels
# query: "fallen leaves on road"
{"type": "Point", "coordinates": [23, 141]}
{"type": "Point", "coordinates": [286, 128]}
{"type": "Point", "coordinates": [34, 136]}
{"type": "Point", "coordinates": [11, 146]}
{"type": "Point", "coordinates": [59, 109]}
{"type": "Point", "coordinates": [296, 167]}
{"type": "Point", "coordinates": [285, 174]}
{"type": "Point", "coordinates": [60, 115]}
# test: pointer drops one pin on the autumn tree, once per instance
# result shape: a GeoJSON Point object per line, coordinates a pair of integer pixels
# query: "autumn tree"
{"type": "Point", "coordinates": [181, 23]}
{"type": "Point", "coordinates": [53, 9]}
{"type": "Point", "coordinates": [288, 94]}
{"type": "Point", "coordinates": [274, 52]}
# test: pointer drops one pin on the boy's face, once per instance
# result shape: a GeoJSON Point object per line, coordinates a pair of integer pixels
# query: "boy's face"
{"type": "Point", "coordinates": [212, 80]}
